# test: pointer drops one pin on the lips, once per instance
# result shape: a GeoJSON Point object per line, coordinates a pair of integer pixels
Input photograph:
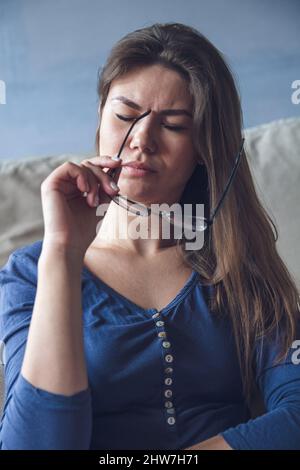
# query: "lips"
{"type": "Point", "coordinates": [139, 166]}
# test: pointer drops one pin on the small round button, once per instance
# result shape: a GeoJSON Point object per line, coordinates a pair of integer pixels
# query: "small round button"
{"type": "Point", "coordinates": [171, 411]}
{"type": "Point", "coordinates": [168, 404]}
{"type": "Point", "coordinates": [168, 370]}
{"type": "Point", "coordinates": [171, 420]}
{"type": "Point", "coordinates": [160, 323]}
{"type": "Point", "coordinates": [162, 334]}
{"type": "Point", "coordinates": [166, 344]}
{"type": "Point", "coordinates": [155, 315]}
{"type": "Point", "coordinates": [169, 358]}
{"type": "Point", "coordinates": [168, 381]}
{"type": "Point", "coordinates": [168, 393]}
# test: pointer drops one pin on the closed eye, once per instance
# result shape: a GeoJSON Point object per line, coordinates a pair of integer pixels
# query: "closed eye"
{"type": "Point", "coordinates": [172, 128]}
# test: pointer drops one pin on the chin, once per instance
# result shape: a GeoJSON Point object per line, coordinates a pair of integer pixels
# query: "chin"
{"type": "Point", "coordinates": [138, 193]}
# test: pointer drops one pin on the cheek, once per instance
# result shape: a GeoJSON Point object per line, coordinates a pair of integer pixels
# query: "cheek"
{"type": "Point", "coordinates": [109, 138]}
{"type": "Point", "coordinates": [183, 161]}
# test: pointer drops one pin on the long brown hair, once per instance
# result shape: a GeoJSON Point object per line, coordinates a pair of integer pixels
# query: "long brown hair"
{"type": "Point", "coordinates": [251, 283]}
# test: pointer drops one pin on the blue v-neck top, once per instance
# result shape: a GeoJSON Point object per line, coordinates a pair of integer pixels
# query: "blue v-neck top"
{"type": "Point", "coordinates": [163, 379]}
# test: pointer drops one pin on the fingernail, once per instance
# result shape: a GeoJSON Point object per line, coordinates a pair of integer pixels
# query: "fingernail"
{"type": "Point", "coordinates": [114, 186]}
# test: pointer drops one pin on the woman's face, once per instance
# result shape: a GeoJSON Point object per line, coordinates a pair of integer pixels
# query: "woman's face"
{"type": "Point", "coordinates": [162, 141]}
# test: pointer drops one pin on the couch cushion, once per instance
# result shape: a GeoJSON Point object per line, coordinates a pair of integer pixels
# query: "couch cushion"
{"type": "Point", "coordinates": [273, 152]}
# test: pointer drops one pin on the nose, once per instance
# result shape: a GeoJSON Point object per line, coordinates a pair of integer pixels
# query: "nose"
{"type": "Point", "coordinates": [142, 136]}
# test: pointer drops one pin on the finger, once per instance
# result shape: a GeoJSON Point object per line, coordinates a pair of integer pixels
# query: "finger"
{"type": "Point", "coordinates": [87, 183]}
{"type": "Point", "coordinates": [92, 196]}
{"type": "Point", "coordinates": [66, 174]}
{"type": "Point", "coordinates": [104, 161]}
{"type": "Point", "coordinates": [105, 182]}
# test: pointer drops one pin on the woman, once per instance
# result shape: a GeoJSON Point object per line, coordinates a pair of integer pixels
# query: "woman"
{"type": "Point", "coordinates": [139, 342]}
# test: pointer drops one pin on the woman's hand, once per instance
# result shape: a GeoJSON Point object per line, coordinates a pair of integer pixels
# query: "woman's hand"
{"type": "Point", "coordinates": [70, 218]}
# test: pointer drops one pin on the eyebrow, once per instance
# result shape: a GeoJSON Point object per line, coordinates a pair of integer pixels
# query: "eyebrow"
{"type": "Point", "coordinates": [164, 112]}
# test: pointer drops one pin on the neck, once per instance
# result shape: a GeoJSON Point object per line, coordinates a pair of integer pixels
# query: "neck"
{"type": "Point", "coordinates": [145, 236]}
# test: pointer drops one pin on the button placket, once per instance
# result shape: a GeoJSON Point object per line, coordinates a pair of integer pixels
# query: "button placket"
{"type": "Point", "coordinates": [162, 334]}
{"type": "Point", "coordinates": [168, 371]}
{"type": "Point", "coordinates": [171, 420]}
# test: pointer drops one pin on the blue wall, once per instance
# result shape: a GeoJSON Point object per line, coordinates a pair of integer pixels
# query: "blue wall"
{"type": "Point", "coordinates": [50, 52]}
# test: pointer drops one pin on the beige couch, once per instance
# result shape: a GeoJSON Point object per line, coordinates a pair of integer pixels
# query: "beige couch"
{"type": "Point", "coordinates": [273, 152]}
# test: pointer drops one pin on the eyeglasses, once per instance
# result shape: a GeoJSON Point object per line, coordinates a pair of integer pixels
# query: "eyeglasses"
{"type": "Point", "coordinates": [187, 221]}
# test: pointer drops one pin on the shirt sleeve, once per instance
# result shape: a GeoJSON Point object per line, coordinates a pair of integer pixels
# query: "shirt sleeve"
{"type": "Point", "coordinates": [33, 418]}
{"type": "Point", "coordinates": [279, 384]}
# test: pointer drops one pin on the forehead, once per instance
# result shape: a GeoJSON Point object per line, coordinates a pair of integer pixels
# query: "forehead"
{"type": "Point", "coordinates": [152, 86]}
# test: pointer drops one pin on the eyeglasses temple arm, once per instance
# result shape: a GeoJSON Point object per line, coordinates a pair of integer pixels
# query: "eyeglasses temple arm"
{"type": "Point", "coordinates": [235, 167]}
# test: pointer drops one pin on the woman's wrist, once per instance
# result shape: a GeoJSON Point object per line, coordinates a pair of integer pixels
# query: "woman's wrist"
{"type": "Point", "coordinates": [56, 251]}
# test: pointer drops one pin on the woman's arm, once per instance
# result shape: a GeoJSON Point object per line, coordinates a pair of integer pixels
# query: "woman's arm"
{"type": "Point", "coordinates": [48, 404]}
{"type": "Point", "coordinates": [54, 356]}
{"type": "Point", "coordinates": [214, 443]}
{"type": "Point", "coordinates": [34, 417]}
{"type": "Point", "coordinates": [279, 384]}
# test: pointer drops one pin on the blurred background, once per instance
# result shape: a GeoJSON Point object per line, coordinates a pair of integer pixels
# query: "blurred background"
{"type": "Point", "coordinates": [51, 50]}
